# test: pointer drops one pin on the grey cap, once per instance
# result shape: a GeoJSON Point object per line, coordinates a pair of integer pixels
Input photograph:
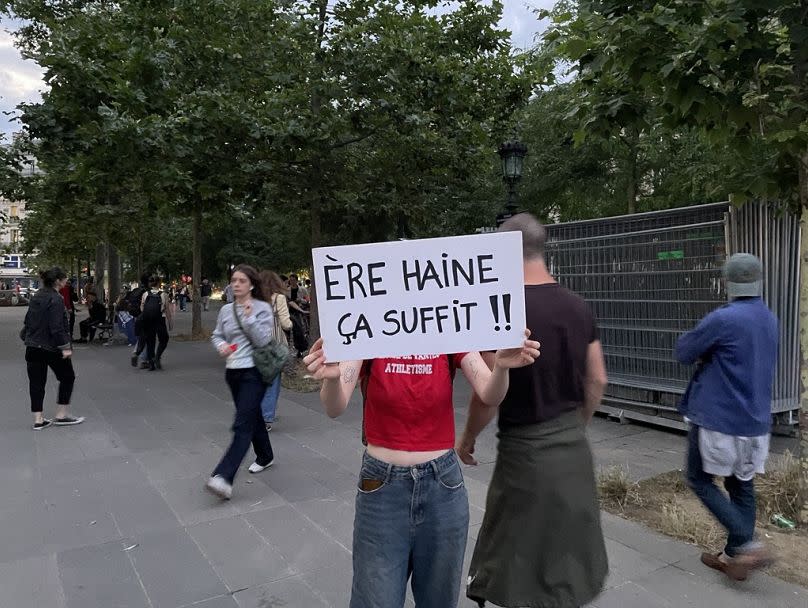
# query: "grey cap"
{"type": "Point", "coordinates": [744, 275]}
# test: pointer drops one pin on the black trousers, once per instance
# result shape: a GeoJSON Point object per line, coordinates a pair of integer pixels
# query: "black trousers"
{"type": "Point", "coordinates": [141, 337]}
{"type": "Point", "coordinates": [156, 335]}
{"type": "Point", "coordinates": [38, 360]}
{"type": "Point", "coordinates": [72, 314]}
{"type": "Point", "coordinates": [87, 328]}
{"type": "Point", "coordinates": [247, 388]}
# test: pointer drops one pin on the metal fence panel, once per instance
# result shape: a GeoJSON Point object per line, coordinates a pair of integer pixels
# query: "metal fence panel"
{"type": "Point", "coordinates": [774, 236]}
{"type": "Point", "coordinates": [649, 277]}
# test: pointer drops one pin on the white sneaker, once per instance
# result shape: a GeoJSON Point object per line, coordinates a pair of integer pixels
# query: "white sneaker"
{"type": "Point", "coordinates": [257, 468]}
{"type": "Point", "coordinates": [218, 486]}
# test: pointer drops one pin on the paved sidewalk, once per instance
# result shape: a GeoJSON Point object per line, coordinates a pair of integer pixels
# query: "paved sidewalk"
{"type": "Point", "coordinates": [111, 514]}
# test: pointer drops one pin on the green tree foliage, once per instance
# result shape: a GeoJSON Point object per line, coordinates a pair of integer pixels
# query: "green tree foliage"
{"type": "Point", "coordinates": [734, 69]}
{"type": "Point", "coordinates": [357, 118]}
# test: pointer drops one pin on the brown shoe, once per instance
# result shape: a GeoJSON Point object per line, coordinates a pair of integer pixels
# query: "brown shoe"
{"type": "Point", "coordinates": [735, 571]}
{"type": "Point", "coordinates": [755, 557]}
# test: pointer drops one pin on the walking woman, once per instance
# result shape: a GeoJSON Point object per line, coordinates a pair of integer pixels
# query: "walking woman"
{"type": "Point", "coordinates": [47, 344]}
{"type": "Point", "coordinates": [275, 293]}
{"type": "Point", "coordinates": [245, 323]}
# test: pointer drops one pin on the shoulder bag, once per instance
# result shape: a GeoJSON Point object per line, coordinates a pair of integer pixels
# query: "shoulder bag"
{"type": "Point", "coordinates": [270, 359]}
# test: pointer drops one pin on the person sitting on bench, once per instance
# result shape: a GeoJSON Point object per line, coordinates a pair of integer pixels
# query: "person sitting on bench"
{"type": "Point", "coordinates": [98, 315]}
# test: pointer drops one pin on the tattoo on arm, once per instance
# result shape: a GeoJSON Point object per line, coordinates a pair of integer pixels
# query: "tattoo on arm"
{"type": "Point", "coordinates": [474, 369]}
{"type": "Point", "coordinates": [349, 374]}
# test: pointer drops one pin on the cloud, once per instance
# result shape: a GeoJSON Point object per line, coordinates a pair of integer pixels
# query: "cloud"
{"type": "Point", "coordinates": [519, 16]}
{"type": "Point", "coordinates": [20, 80]}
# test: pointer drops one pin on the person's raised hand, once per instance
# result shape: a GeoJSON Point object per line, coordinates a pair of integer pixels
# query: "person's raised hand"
{"type": "Point", "coordinates": [519, 357]}
{"type": "Point", "coordinates": [315, 363]}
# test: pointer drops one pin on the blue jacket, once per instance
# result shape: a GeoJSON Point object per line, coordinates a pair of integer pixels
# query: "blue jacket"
{"type": "Point", "coordinates": [731, 389]}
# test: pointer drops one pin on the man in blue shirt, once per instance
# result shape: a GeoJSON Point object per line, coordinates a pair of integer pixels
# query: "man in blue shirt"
{"type": "Point", "coordinates": [728, 404]}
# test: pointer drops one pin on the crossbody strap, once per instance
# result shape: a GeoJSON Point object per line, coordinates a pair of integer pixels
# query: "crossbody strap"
{"type": "Point", "coordinates": [241, 327]}
{"type": "Point", "coordinates": [276, 319]}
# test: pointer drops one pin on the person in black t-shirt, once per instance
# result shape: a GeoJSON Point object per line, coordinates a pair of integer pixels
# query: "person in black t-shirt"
{"type": "Point", "coordinates": [541, 542]}
{"type": "Point", "coordinates": [98, 315]}
{"type": "Point", "coordinates": [204, 292]}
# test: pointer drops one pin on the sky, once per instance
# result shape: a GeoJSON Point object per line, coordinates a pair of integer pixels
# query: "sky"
{"type": "Point", "coordinates": [21, 80]}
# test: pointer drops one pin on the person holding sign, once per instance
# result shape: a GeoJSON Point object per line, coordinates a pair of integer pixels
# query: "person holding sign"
{"type": "Point", "coordinates": [541, 542]}
{"type": "Point", "coordinates": [412, 509]}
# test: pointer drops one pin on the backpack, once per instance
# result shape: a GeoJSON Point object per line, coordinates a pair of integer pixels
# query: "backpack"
{"type": "Point", "coordinates": [364, 379]}
{"type": "Point", "coordinates": [152, 307]}
{"type": "Point", "coordinates": [133, 301]}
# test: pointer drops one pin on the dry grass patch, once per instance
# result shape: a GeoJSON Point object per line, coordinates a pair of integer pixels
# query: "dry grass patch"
{"type": "Point", "coordinates": [296, 378]}
{"type": "Point", "coordinates": [617, 489]}
{"type": "Point", "coordinates": [778, 490]}
{"type": "Point", "coordinates": [665, 504]}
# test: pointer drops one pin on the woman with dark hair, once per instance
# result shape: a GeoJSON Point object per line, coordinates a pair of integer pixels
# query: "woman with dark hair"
{"type": "Point", "coordinates": [276, 296]}
{"type": "Point", "coordinates": [47, 344]}
{"type": "Point", "coordinates": [242, 325]}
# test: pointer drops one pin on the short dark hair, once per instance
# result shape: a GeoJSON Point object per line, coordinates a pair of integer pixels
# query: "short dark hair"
{"type": "Point", "coordinates": [51, 275]}
{"type": "Point", "coordinates": [154, 281]}
{"type": "Point", "coordinates": [534, 236]}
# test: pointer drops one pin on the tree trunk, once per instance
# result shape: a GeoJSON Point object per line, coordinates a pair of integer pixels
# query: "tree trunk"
{"type": "Point", "coordinates": [316, 241]}
{"type": "Point", "coordinates": [138, 253]}
{"type": "Point", "coordinates": [803, 325]}
{"type": "Point", "coordinates": [631, 174]}
{"type": "Point", "coordinates": [114, 273]}
{"type": "Point", "coordinates": [318, 198]}
{"type": "Point", "coordinates": [100, 266]}
{"type": "Point", "coordinates": [196, 275]}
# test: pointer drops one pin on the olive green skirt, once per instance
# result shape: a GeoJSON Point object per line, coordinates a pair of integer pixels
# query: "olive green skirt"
{"type": "Point", "coordinates": [541, 544]}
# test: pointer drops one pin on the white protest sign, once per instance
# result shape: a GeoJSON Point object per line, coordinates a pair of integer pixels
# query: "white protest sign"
{"type": "Point", "coordinates": [430, 296]}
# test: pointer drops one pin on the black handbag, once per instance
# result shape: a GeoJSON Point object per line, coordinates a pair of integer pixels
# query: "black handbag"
{"type": "Point", "coordinates": [270, 359]}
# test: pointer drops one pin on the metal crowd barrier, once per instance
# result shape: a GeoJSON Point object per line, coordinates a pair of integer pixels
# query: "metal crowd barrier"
{"type": "Point", "coordinates": [649, 277]}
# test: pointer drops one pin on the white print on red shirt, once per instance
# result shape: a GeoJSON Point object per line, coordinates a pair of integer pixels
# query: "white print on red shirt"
{"type": "Point", "coordinates": [416, 369]}
{"type": "Point", "coordinates": [412, 369]}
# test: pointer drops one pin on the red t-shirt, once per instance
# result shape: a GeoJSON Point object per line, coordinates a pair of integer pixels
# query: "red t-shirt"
{"type": "Point", "coordinates": [408, 402]}
{"type": "Point", "coordinates": [65, 293]}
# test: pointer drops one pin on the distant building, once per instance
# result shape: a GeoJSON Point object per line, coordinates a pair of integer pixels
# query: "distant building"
{"type": "Point", "coordinates": [11, 215]}
{"type": "Point", "coordinates": [13, 212]}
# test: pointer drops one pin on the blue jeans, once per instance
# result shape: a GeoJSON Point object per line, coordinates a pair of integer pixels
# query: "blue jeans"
{"type": "Point", "coordinates": [129, 330]}
{"type": "Point", "coordinates": [248, 389]}
{"type": "Point", "coordinates": [410, 521]}
{"type": "Point", "coordinates": [736, 513]}
{"type": "Point", "coordinates": [270, 402]}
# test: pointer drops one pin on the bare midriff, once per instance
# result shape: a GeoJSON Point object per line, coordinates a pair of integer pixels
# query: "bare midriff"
{"type": "Point", "coordinates": [400, 458]}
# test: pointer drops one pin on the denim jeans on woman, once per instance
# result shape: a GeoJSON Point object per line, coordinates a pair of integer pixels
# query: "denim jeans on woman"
{"type": "Point", "coordinates": [410, 522]}
{"type": "Point", "coordinates": [248, 389]}
{"type": "Point", "coordinates": [269, 404]}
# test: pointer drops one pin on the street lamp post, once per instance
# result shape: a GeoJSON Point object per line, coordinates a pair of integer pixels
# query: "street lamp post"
{"type": "Point", "coordinates": [512, 154]}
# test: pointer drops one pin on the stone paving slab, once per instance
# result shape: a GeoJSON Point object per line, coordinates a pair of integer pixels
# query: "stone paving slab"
{"type": "Point", "coordinates": [112, 513]}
